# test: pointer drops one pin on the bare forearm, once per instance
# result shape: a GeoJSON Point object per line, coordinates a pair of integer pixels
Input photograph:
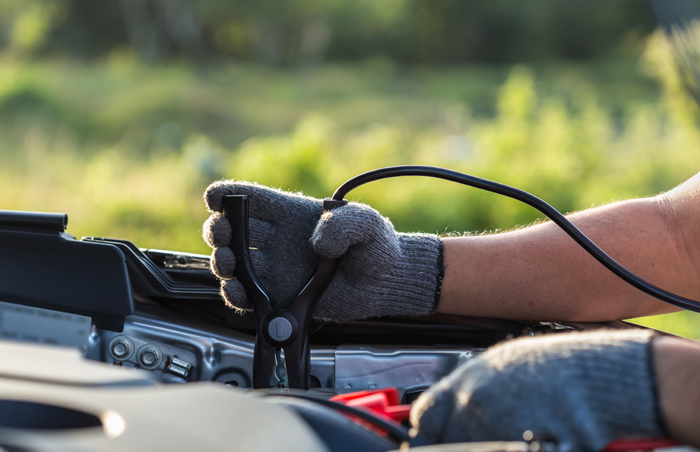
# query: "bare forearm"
{"type": "Point", "coordinates": [540, 273]}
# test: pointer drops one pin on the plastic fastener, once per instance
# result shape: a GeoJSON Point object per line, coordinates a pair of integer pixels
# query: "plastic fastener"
{"type": "Point", "coordinates": [280, 329]}
{"type": "Point", "coordinates": [384, 403]}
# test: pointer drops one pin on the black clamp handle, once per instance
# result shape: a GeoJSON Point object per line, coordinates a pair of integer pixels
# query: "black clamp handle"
{"type": "Point", "coordinates": [276, 328]}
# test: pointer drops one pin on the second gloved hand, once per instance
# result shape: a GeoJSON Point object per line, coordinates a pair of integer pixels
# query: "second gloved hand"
{"type": "Point", "coordinates": [381, 272]}
{"type": "Point", "coordinates": [584, 389]}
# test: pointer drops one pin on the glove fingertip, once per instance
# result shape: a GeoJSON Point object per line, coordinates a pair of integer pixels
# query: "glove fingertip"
{"type": "Point", "coordinates": [223, 263]}
{"type": "Point", "coordinates": [354, 224]}
{"type": "Point", "coordinates": [217, 231]}
{"type": "Point", "coordinates": [328, 240]}
{"type": "Point", "coordinates": [234, 295]}
{"type": "Point", "coordinates": [432, 411]}
{"type": "Point", "coordinates": [214, 194]}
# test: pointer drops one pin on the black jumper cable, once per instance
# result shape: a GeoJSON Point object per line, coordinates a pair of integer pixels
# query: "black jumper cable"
{"type": "Point", "coordinates": [287, 328]}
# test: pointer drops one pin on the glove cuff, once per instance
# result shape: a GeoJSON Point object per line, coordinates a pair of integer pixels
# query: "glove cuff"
{"type": "Point", "coordinates": [413, 287]}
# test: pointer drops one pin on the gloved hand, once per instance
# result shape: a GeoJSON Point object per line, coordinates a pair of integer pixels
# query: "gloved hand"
{"type": "Point", "coordinates": [586, 389]}
{"type": "Point", "coordinates": [381, 272]}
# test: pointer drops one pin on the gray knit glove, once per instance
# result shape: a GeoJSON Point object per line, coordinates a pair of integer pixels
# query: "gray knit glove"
{"type": "Point", "coordinates": [381, 272]}
{"type": "Point", "coordinates": [584, 388]}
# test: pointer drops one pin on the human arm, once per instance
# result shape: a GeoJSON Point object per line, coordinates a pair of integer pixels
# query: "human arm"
{"type": "Point", "coordinates": [536, 273]}
{"type": "Point", "coordinates": [540, 273]}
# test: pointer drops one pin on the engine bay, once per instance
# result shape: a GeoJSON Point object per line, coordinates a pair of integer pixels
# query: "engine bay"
{"type": "Point", "coordinates": [160, 311]}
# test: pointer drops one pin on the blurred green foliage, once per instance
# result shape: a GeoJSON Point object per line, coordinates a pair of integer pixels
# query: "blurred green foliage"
{"type": "Point", "coordinates": [107, 142]}
{"type": "Point", "coordinates": [126, 147]}
{"type": "Point", "coordinates": [304, 32]}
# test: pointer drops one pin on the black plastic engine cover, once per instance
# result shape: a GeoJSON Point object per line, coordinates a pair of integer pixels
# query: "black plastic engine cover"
{"type": "Point", "coordinates": [44, 267]}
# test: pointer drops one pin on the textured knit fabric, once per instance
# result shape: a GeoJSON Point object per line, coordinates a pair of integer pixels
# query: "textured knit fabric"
{"type": "Point", "coordinates": [584, 388]}
{"type": "Point", "coordinates": [380, 273]}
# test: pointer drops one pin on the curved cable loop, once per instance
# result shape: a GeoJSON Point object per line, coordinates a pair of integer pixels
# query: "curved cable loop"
{"type": "Point", "coordinates": [531, 200]}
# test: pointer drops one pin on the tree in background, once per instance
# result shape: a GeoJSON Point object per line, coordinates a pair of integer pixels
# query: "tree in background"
{"type": "Point", "coordinates": [304, 32]}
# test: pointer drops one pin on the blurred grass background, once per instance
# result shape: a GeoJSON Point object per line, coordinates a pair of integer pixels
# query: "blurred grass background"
{"type": "Point", "coordinates": [121, 113]}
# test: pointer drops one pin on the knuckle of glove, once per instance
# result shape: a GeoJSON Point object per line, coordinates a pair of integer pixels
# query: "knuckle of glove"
{"type": "Point", "coordinates": [452, 408]}
{"type": "Point", "coordinates": [329, 239]}
{"type": "Point", "coordinates": [430, 415]}
{"type": "Point", "coordinates": [266, 203]}
{"type": "Point", "coordinates": [223, 263]}
{"type": "Point", "coordinates": [278, 206]}
{"type": "Point", "coordinates": [234, 295]}
{"type": "Point", "coordinates": [347, 226]}
{"type": "Point", "coordinates": [217, 231]}
{"type": "Point", "coordinates": [214, 194]}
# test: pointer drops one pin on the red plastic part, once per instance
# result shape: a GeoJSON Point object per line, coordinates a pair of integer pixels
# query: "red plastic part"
{"type": "Point", "coordinates": [383, 403]}
{"type": "Point", "coordinates": [626, 445]}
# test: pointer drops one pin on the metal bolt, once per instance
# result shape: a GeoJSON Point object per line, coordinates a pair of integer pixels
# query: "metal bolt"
{"type": "Point", "coordinates": [120, 349]}
{"type": "Point", "coordinates": [372, 386]}
{"type": "Point", "coordinates": [348, 386]}
{"type": "Point", "coordinates": [150, 356]}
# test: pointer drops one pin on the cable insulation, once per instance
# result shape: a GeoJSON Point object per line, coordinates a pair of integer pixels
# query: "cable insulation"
{"type": "Point", "coordinates": [531, 200]}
